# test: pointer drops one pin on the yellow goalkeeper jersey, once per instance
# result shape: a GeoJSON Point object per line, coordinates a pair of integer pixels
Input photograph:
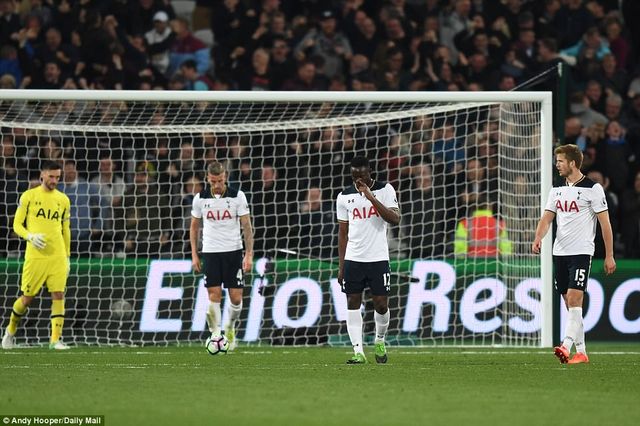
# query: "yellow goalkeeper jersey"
{"type": "Point", "coordinates": [44, 212]}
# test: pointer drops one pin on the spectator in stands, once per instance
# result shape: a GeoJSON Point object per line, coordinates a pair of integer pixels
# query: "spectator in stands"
{"type": "Point", "coordinates": [52, 78]}
{"type": "Point", "coordinates": [618, 44]}
{"type": "Point", "coordinates": [86, 216]}
{"type": "Point", "coordinates": [269, 209]}
{"type": "Point", "coordinates": [612, 78]}
{"type": "Point", "coordinates": [476, 186]}
{"type": "Point", "coordinates": [423, 204]}
{"type": "Point", "coordinates": [448, 149]}
{"type": "Point", "coordinates": [147, 215]}
{"type": "Point", "coordinates": [186, 46]}
{"type": "Point", "coordinates": [306, 78]}
{"type": "Point", "coordinates": [268, 32]}
{"type": "Point", "coordinates": [393, 76]}
{"type": "Point", "coordinates": [258, 75]}
{"type": "Point", "coordinates": [182, 212]}
{"type": "Point", "coordinates": [547, 22]}
{"type": "Point", "coordinates": [614, 156]}
{"type": "Point", "coordinates": [281, 63]}
{"type": "Point", "coordinates": [613, 204]}
{"type": "Point", "coordinates": [580, 107]}
{"type": "Point", "coordinates": [10, 22]}
{"type": "Point", "coordinates": [230, 23]}
{"type": "Point", "coordinates": [595, 95]}
{"type": "Point", "coordinates": [111, 188]}
{"type": "Point", "coordinates": [328, 43]}
{"type": "Point", "coordinates": [630, 214]}
{"type": "Point", "coordinates": [193, 80]}
{"type": "Point", "coordinates": [12, 184]}
{"type": "Point", "coordinates": [159, 41]}
{"type": "Point", "coordinates": [53, 50]}
{"type": "Point", "coordinates": [458, 20]}
{"type": "Point", "coordinates": [140, 13]}
{"type": "Point", "coordinates": [188, 162]}
{"type": "Point", "coordinates": [572, 20]}
{"type": "Point", "coordinates": [315, 224]}
{"type": "Point", "coordinates": [365, 40]}
{"type": "Point", "coordinates": [613, 109]}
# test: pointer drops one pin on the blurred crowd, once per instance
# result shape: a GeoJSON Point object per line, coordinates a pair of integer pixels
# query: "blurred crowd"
{"type": "Point", "coordinates": [445, 45]}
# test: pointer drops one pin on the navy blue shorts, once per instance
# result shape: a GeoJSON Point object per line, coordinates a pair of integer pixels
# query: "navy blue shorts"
{"type": "Point", "coordinates": [360, 275]}
{"type": "Point", "coordinates": [223, 268]}
{"type": "Point", "coordinates": [571, 272]}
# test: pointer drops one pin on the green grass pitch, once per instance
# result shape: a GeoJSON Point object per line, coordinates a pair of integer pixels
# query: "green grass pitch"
{"type": "Point", "coordinates": [313, 386]}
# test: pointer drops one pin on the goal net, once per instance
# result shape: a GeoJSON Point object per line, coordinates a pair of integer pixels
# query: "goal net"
{"type": "Point", "coordinates": [467, 169]}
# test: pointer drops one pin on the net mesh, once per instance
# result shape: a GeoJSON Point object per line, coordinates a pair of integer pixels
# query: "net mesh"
{"type": "Point", "coordinates": [131, 170]}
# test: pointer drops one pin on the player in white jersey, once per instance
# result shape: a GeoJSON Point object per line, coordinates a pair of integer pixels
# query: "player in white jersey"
{"type": "Point", "coordinates": [575, 205]}
{"type": "Point", "coordinates": [363, 211]}
{"type": "Point", "coordinates": [223, 212]}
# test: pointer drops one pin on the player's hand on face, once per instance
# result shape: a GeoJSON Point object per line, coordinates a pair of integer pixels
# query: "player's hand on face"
{"type": "Point", "coordinates": [195, 263]}
{"type": "Point", "coordinates": [609, 265]}
{"type": "Point", "coordinates": [38, 240]}
{"type": "Point", "coordinates": [363, 188]}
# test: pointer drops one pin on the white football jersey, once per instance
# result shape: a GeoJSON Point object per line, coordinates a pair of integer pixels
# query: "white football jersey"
{"type": "Point", "coordinates": [367, 230]}
{"type": "Point", "coordinates": [576, 208]}
{"type": "Point", "coordinates": [220, 216]}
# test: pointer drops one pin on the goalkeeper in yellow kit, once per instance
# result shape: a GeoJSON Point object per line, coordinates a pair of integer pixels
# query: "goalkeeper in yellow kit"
{"type": "Point", "coordinates": [42, 218]}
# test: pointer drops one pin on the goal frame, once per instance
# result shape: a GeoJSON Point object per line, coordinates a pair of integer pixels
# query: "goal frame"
{"type": "Point", "coordinates": [546, 121]}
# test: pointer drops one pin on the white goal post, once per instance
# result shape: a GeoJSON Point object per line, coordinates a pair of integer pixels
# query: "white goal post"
{"type": "Point", "coordinates": [133, 159]}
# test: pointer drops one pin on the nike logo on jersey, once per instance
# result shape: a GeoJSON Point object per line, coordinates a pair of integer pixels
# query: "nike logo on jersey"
{"type": "Point", "coordinates": [566, 206]}
{"type": "Point", "coordinates": [218, 215]}
{"type": "Point", "coordinates": [364, 213]}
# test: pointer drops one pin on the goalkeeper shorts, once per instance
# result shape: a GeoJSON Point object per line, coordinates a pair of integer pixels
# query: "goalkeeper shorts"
{"type": "Point", "coordinates": [52, 272]}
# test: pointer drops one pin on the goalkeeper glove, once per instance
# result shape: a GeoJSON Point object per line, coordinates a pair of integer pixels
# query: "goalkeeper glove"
{"type": "Point", "coordinates": [38, 240]}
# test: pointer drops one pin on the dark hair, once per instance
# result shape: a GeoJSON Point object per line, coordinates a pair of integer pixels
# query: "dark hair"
{"type": "Point", "coordinates": [189, 63]}
{"type": "Point", "coordinates": [572, 153]}
{"type": "Point", "coordinates": [359, 161]}
{"type": "Point", "coordinates": [50, 165]}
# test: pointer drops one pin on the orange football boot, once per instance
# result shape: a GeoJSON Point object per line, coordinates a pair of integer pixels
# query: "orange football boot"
{"type": "Point", "coordinates": [579, 358]}
{"type": "Point", "coordinates": [562, 353]}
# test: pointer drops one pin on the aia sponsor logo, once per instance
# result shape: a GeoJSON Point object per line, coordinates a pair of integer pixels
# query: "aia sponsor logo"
{"type": "Point", "coordinates": [567, 206]}
{"type": "Point", "coordinates": [218, 214]}
{"type": "Point", "coordinates": [364, 213]}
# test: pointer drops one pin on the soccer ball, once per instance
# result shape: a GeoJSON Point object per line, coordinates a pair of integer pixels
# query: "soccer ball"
{"type": "Point", "coordinates": [121, 310]}
{"type": "Point", "coordinates": [217, 345]}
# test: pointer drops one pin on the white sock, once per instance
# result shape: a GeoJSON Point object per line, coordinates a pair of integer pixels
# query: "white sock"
{"type": "Point", "coordinates": [382, 323]}
{"type": "Point", "coordinates": [574, 320]}
{"type": "Point", "coordinates": [234, 315]}
{"type": "Point", "coordinates": [580, 343]}
{"type": "Point", "coordinates": [354, 327]}
{"type": "Point", "coordinates": [213, 317]}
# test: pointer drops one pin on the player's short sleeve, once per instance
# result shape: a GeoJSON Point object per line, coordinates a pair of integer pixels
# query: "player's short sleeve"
{"type": "Point", "coordinates": [598, 199]}
{"type": "Point", "coordinates": [341, 209]}
{"type": "Point", "coordinates": [196, 208]}
{"type": "Point", "coordinates": [390, 200]}
{"type": "Point", "coordinates": [551, 205]}
{"type": "Point", "coordinates": [243, 204]}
